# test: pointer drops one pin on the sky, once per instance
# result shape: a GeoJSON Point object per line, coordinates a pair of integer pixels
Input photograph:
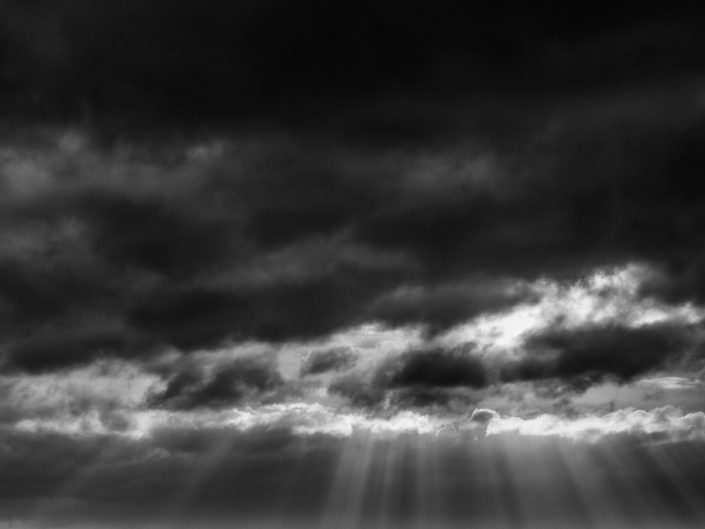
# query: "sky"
{"type": "Point", "coordinates": [351, 264]}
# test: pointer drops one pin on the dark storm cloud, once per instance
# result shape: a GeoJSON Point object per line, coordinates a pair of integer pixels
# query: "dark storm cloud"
{"type": "Point", "coordinates": [177, 176]}
{"type": "Point", "coordinates": [425, 161]}
{"type": "Point", "coordinates": [124, 64]}
{"type": "Point", "coordinates": [436, 377]}
{"type": "Point", "coordinates": [151, 234]}
{"type": "Point", "coordinates": [682, 276]}
{"type": "Point", "coordinates": [289, 240]}
{"type": "Point", "coordinates": [227, 247]}
{"type": "Point", "coordinates": [417, 378]}
{"type": "Point", "coordinates": [61, 348]}
{"type": "Point", "coordinates": [190, 318]}
{"type": "Point", "coordinates": [185, 258]}
{"type": "Point", "coordinates": [616, 186]}
{"type": "Point", "coordinates": [437, 368]}
{"type": "Point", "coordinates": [585, 356]}
{"type": "Point", "coordinates": [192, 386]}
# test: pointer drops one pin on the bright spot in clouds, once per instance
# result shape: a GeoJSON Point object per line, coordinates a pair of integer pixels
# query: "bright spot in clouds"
{"type": "Point", "coordinates": [609, 296]}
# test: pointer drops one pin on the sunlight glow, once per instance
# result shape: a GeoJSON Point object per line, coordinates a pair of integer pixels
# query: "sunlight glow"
{"type": "Point", "coordinates": [607, 296]}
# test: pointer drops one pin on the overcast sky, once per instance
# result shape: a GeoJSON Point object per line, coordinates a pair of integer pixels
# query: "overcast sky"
{"type": "Point", "coordinates": [351, 264]}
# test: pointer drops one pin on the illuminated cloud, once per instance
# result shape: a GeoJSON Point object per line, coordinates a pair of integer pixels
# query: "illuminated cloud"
{"type": "Point", "coordinates": [667, 424]}
{"type": "Point", "coordinates": [608, 297]}
{"type": "Point", "coordinates": [316, 419]}
{"type": "Point", "coordinates": [103, 385]}
{"type": "Point", "coordinates": [223, 385]}
{"type": "Point", "coordinates": [664, 424]}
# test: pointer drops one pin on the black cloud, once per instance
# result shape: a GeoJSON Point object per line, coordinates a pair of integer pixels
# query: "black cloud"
{"type": "Point", "coordinates": [411, 177]}
{"type": "Point", "coordinates": [417, 378]}
{"type": "Point", "coordinates": [445, 304]}
{"type": "Point", "coordinates": [589, 355]}
{"type": "Point", "coordinates": [437, 368]}
{"type": "Point", "coordinates": [266, 243]}
{"type": "Point", "coordinates": [213, 63]}
{"type": "Point", "coordinates": [61, 348]}
{"type": "Point", "coordinates": [154, 235]}
{"type": "Point", "coordinates": [181, 175]}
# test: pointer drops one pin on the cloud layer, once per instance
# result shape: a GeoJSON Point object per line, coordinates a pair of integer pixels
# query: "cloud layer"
{"type": "Point", "coordinates": [385, 243]}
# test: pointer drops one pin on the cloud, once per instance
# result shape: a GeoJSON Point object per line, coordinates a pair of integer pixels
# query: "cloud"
{"type": "Point", "coordinates": [224, 385]}
{"type": "Point", "coordinates": [436, 368]}
{"type": "Point", "coordinates": [152, 234]}
{"type": "Point", "coordinates": [328, 360]}
{"type": "Point", "coordinates": [595, 353]}
{"type": "Point", "coordinates": [663, 424]}
{"type": "Point", "coordinates": [61, 62]}
{"type": "Point", "coordinates": [61, 348]}
{"type": "Point", "coordinates": [177, 257]}
{"type": "Point", "coordinates": [91, 423]}
{"type": "Point", "coordinates": [554, 235]}
{"type": "Point", "coordinates": [447, 304]}
{"type": "Point", "coordinates": [452, 211]}
{"type": "Point", "coordinates": [152, 248]}
{"type": "Point", "coordinates": [416, 378]}
{"type": "Point", "coordinates": [671, 382]}
{"type": "Point", "coordinates": [358, 390]}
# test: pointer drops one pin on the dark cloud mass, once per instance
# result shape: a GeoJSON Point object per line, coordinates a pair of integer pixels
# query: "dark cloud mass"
{"type": "Point", "coordinates": [439, 368]}
{"type": "Point", "coordinates": [188, 257]}
{"type": "Point", "coordinates": [410, 178]}
{"type": "Point", "coordinates": [417, 378]}
{"type": "Point", "coordinates": [213, 63]}
{"type": "Point", "coordinates": [225, 385]}
{"type": "Point", "coordinates": [77, 61]}
{"type": "Point", "coordinates": [351, 264]}
{"type": "Point", "coordinates": [588, 355]}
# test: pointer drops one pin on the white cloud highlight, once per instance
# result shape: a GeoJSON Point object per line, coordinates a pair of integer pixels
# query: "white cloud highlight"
{"type": "Point", "coordinates": [608, 296]}
{"type": "Point", "coordinates": [667, 422]}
